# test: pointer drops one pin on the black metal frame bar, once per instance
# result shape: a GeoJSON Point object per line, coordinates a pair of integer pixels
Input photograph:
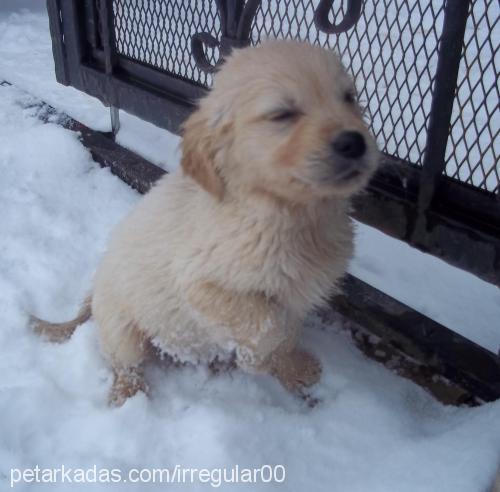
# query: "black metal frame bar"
{"type": "Point", "coordinates": [58, 47]}
{"type": "Point", "coordinates": [467, 364]}
{"type": "Point", "coordinates": [446, 218]}
{"type": "Point", "coordinates": [462, 224]}
{"type": "Point", "coordinates": [445, 85]}
{"type": "Point", "coordinates": [148, 93]}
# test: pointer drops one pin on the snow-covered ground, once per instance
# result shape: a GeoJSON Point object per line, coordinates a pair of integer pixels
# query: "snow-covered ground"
{"type": "Point", "coordinates": [371, 430]}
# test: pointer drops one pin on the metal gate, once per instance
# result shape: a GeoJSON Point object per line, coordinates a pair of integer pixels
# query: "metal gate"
{"type": "Point", "coordinates": [426, 72]}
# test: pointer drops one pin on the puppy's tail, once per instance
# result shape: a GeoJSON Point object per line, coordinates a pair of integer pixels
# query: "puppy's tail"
{"type": "Point", "coordinates": [60, 332]}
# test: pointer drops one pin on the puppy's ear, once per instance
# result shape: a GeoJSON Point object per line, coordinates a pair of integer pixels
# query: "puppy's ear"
{"type": "Point", "coordinates": [200, 145]}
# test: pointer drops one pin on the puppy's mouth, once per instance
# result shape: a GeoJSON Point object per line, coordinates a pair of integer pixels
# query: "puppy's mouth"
{"type": "Point", "coordinates": [349, 175]}
{"type": "Point", "coordinates": [330, 174]}
{"type": "Point", "coordinates": [339, 172]}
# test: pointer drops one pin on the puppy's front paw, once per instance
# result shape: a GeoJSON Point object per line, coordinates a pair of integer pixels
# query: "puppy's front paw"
{"type": "Point", "coordinates": [125, 385]}
{"type": "Point", "coordinates": [297, 369]}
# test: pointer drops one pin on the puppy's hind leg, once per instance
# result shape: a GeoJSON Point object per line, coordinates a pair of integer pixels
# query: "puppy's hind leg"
{"type": "Point", "coordinates": [60, 332]}
{"type": "Point", "coordinates": [126, 348]}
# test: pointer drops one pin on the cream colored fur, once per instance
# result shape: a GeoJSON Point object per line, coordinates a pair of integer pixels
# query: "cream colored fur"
{"type": "Point", "coordinates": [231, 251]}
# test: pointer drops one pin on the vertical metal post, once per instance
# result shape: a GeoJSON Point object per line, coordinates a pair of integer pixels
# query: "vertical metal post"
{"type": "Point", "coordinates": [91, 23]}
{"type": "Point", "coordinates": [73, 40]}
{"type": "Point", "coordinates": [234, 9]}
{"type": "Point", "coordinates": [445, 84]}
{"type": "Point", "coordinates": [110, 60]}
{"type": "Point", "coordinates": [58, 48]}
{"type": "Point", "coordinates": [115, 119]}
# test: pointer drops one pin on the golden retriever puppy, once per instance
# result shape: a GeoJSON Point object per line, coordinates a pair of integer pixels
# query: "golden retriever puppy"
{"type": "Point", "coordinates": [229, 253]}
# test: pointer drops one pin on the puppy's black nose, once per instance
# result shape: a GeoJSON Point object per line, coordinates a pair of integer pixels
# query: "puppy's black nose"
{"type": "Point", "coordinates": [349, 144]}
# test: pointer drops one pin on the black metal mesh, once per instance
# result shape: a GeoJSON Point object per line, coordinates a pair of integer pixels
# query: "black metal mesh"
{"type": "Point", "coordinates": [391, 53]}
{"type": "Point", "coordinates": [159, 32]}
{"type": "Point", "coordinates": [473, 151]}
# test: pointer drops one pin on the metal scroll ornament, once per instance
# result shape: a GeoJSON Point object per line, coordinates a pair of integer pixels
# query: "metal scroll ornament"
{"type": "Point", "coordinates": [236, 18]}
{"type": "Point", "coordinates": [351, 17]}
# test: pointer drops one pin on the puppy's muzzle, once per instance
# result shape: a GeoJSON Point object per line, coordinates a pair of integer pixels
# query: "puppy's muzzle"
{"type": "Point", "coordinates": [348, 150]}
{"type": "Point", "coordinates": [349, 144]}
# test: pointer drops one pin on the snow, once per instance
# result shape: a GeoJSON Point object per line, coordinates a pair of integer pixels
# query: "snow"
{"type": "Point", "coordinates": [26, 61]}
{"type": "Point", "coordinates": [453, 297]}
{"type": "Point", "coordinates": [155, 144]}
{"type": "Point", "coordinates": [371, 429]}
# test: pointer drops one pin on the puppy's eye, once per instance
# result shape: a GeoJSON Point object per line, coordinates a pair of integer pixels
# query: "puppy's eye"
{"type": "Point", "coordinates": [284, 115]}
{"type": "Point", "coordinates": [350, 97]}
